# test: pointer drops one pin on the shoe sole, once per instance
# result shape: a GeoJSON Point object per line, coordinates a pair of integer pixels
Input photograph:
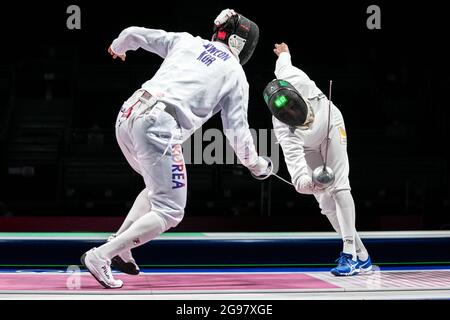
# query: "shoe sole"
{"type": "Point", "coordinates": [126, 267]}
{"type": "Point", "coordinates": [83, 261]}
{"type": "Point", "coordinates": [345, 274]}
{"type": "Point", "coordinates": [354, 273]}
{"type": "Point", "coordinates": [366, 270]}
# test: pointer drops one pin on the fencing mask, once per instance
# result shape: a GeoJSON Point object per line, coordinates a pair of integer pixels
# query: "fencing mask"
{"type": "Point", "coordinates": [238, 32]}
{"type": "Point", "coordinates": [286, 104]}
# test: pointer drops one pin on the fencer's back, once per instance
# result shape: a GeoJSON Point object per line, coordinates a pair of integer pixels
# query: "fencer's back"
{"type": "Point", "coordinates": [195, 77]}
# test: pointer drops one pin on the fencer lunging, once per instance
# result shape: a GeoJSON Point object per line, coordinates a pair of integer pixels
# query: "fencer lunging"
{"type": "Point", "coordinates": [197, 79]}
{"type": "Point", "coordinates": [300, 120]}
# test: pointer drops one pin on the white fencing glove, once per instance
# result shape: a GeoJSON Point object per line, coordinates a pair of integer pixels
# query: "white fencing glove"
{"type": "Point", "coordinates": [224, 16]}
{"type": "Point", "coordinates": [305, 185]}
{"type": "Point", "coordinates": [262, 169]}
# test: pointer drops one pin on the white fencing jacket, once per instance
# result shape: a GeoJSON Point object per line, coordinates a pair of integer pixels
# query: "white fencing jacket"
{"type": "Point", "coordinates": [198, 78]}
{"type": "Point", "coordinates": [295, 142]}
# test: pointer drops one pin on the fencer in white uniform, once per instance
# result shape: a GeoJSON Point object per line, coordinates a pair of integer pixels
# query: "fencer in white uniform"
{"type": "Point", "coordinates": [197, 79]}
{"type": "Point", "coordinates": [304, 148]}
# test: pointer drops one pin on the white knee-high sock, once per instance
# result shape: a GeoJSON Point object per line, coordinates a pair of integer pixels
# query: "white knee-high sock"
{"type": "Point", "coordinates": [345, 211]}
{"type": "Point", "coordinates": [140, 207]}
{"type": "Point", "coordinates": [146, 228]}
{"type": "Point", "coordinates": [361, 250]}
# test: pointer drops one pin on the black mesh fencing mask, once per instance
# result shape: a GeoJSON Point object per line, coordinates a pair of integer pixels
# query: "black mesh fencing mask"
{"type": "Point", "coordinates": [285, 103]}
{"type": "Point", "coordinates": [240, 34]}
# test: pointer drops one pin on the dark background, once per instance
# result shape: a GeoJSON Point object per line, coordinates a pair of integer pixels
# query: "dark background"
{"type": "Point", "coordinates": [60, 93]}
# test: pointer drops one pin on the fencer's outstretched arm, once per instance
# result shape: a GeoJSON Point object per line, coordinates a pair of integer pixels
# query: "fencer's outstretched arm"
{"type": "Point", "coordinates": [157, 41]}
{"type": "Point", "coordinates": [286, 71]}
{"type": "Point", "coordinates": [236, 129]}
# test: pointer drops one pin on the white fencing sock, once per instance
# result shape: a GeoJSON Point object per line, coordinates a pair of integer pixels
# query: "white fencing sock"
{"type": "Point", "coordinates": [140, 207]}
{"type": "Point", "coordinates": [345, 211]}
{"type": "Point", "coordinates": [146, 228]}
{"type": "Point", "coordinates": [361, 250]}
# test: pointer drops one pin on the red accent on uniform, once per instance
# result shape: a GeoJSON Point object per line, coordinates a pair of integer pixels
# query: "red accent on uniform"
{"type": "Point", "coordinates": [245, 27]}
{"type": "Point", "coordinates": [221, 35]}
{"type": "Point", "coordinates": [127, 113]}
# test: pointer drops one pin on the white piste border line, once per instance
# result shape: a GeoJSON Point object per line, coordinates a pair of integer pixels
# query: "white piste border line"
{"type": "Point", "coordinates": [84, 272]}
{"type": "Point", "coordinates": [210, 236]}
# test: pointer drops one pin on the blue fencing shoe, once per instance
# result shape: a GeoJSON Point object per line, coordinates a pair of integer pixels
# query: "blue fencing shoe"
{"type": "Point", "coordinates": [346, 266]}
{"type": "Point", "coordinates": [365, 266]}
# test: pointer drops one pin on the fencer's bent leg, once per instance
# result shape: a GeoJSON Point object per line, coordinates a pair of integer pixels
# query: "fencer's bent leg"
{"type": "Point", "coordinates": [146, 228]}
{"type": "Point", "coordinates": [125, 141]}
{"type": "Point", "coordinates": [140, 207]}
{"type": "Point", "coordinates": [328, 208]}
{"type": "Point", "coordinates": [337, 203]}
{"type": "Point", "coordinates": [345, 211]}
{"type": "Point", "coordinates": [164, 174]}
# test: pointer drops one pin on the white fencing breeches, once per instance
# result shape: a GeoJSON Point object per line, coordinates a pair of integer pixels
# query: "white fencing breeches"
{"type": "Point", "coordinates": [152, 147]}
